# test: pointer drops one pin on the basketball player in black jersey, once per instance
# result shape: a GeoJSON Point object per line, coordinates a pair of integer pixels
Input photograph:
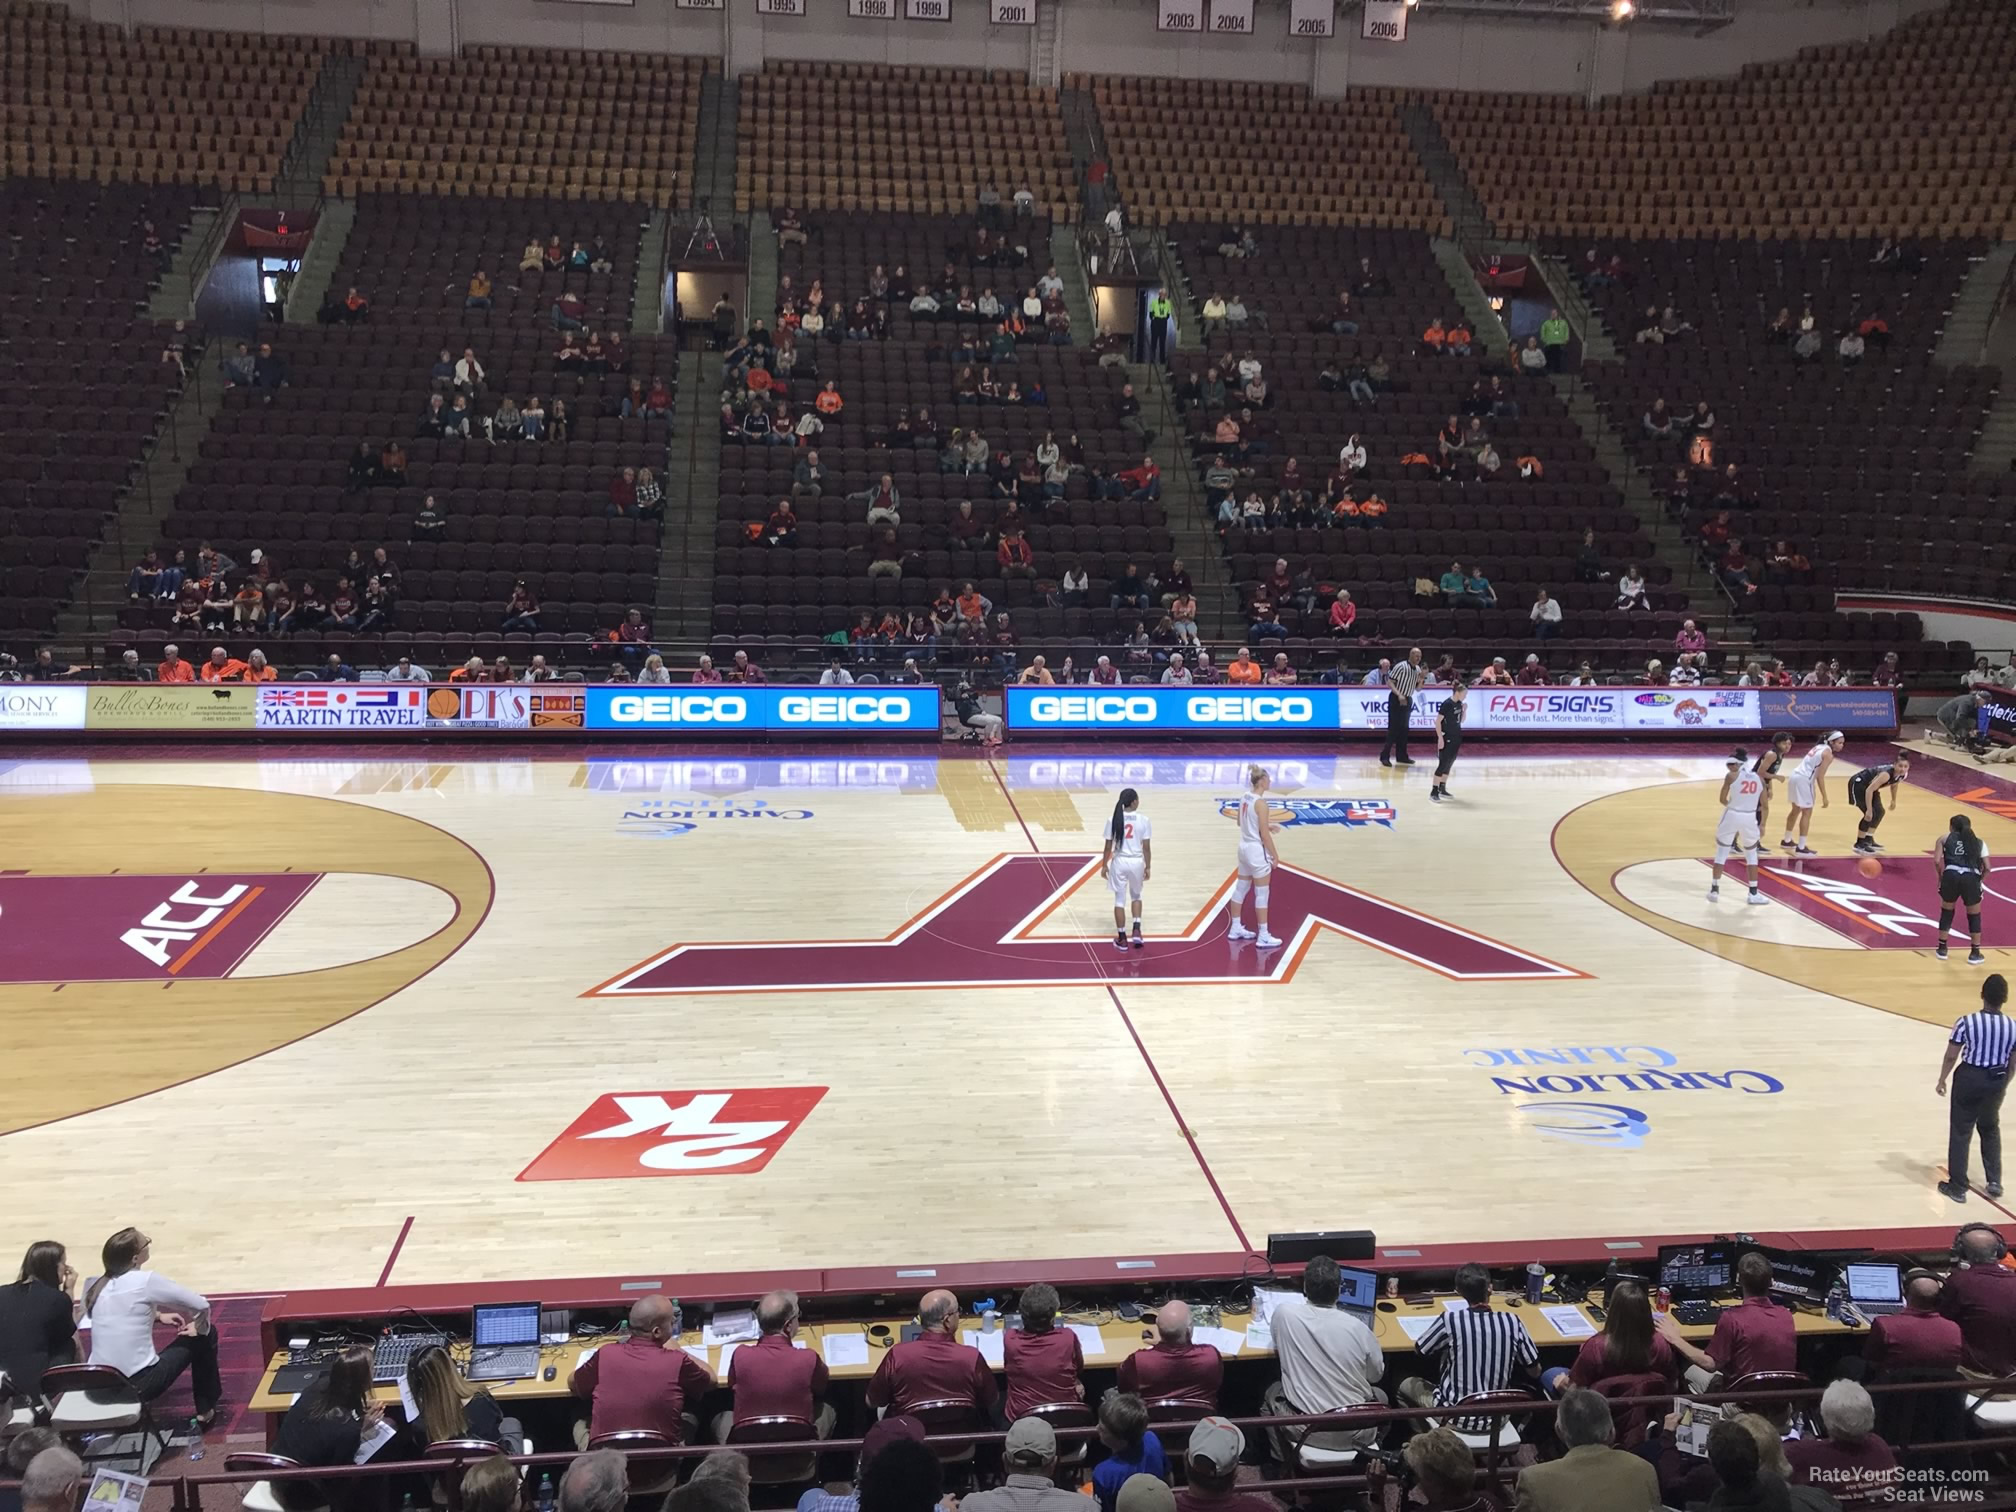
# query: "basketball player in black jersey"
{"type": "Point", "coordinates": [1866, 789]}
{"type": "Point", "coordinates": [1963, 865]}
{"type": "Point", "coordinates": [1448, 739]}
{"type": "Point", "coordinates": [1772, 759]}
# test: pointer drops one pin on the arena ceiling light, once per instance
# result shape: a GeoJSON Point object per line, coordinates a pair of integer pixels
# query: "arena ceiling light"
{"type": "Point", "coordinates": [1704, 15]}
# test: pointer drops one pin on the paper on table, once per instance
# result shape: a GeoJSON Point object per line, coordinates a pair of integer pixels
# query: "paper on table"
{"type": "Point", "coordinates": [376, 1439]}
{"type": "Point", "coordinates": [989, 1344]}
{"type": "Point", "coordinates": [1090, 1340]}
{"type": "Point", "coordinates": [1415, 1324]}
{"type": "Point", "coordinates": [585, 1356]}
{"type": "Point", "coordinates": [843, 1349]}
{"type": "Point", "coordinates": [1264, 1303]}
{"type": "Point", "coordinates": [1455, 1304]}
{"type": "Point", "coordinates": [730, 1325]}
{"type": "Point", "coordinates": [800, 1344]}
{"type": "Point", "coordinates": [1569, 1322]}
{"type": "Point", "coordinates": [1227, 1341]}
{"type": "Point", "coordinates": [406, 1401]}
{"type": "Point", "coordinates": [727, 1354]}
{"type": "Point", "coordinates": [699, 1352]}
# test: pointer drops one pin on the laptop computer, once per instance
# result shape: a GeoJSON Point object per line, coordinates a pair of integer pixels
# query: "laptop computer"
{"type": "Point", "coordinates": [1359, 1294]}
{"type": "Point", "coordinates": [504, 1343]}
{"type": "Point", "coordinates": [1875, 1289]}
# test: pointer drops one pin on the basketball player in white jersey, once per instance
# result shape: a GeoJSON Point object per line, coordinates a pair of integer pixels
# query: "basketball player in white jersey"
{"type": "Point", "coordinates": [1807, 781]}
{"type": "Point", "coordinates": [1256, 860]}
{"type": "Point", "coordinates": [1127, 862]}
{"type": "Point", "coordinates": [1745, 795]}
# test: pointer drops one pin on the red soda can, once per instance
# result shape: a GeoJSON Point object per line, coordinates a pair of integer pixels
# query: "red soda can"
{"type": "Point", "coordinates": [1665, 1303]}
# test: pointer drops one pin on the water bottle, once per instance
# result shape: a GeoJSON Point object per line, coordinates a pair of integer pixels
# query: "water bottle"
{"type": "Point", "coordinates": [544, 1501]}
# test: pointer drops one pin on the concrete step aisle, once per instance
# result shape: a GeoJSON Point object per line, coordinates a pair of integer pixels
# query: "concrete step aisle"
{"type": "Point", "coordinates": [318, 265]}
{"type": "Point", "coordinates": [684, 610]}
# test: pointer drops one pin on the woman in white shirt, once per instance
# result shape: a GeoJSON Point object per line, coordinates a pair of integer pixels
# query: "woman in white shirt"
{"type": "Point", "coordinates": [127, 1301]}
{"type": "Point", "coordinates": [1631, 590]}
{"type": "Point", "coordinates": [655, 670]}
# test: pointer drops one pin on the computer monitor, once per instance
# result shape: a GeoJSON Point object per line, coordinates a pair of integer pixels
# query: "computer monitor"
{"type": "Point", "coordinates": [1361, 1288]}
{"type": "Point", "coordinates": [1694, 1272]}
{"type": "Point", "coordinates": [1796, 1275]}
{"type": "Point", "coordinates": [503, 1324]}
{"type": "Point", "coordinates": [1873, 1284]}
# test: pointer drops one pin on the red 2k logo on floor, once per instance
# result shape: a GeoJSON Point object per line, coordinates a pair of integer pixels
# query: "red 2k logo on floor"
{"type": "Point", "coordinates": [627, 1134]}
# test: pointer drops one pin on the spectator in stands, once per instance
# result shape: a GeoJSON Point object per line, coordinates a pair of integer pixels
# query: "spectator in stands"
{"type": "Point", "coordinates": [1852, 1460]}
{"type": "Point", "coordinates": [1130, 590]}
{"type": "Point", "coordinates": [1853, 344]}
{"type": "Point", "coordinates": [1453, 587]}
{"type": "Point", "coordinates": [1013, 557]}
{"type": "Point", "coordinates": [269, 370]}
{"type": "Point", "coordinates": [1532, 359]}
{"type": "Point", "coordinates": [52, 1480]}
{"type": "Point", "coordinates": [521, 613]}
{"type": "Point", "coordinates": [1132, 1448]}
{"type": "Point", "coordinates": [650, 497]}
{"type": "Point", "coordinates": [1174, 674]}
{"type": "Point", "coordinates": [623, 494]}
{"type": "Point", "coordinates": [478, 297]}
{"type": "Point", "coordinates": [1806, 348]}
{"type": "Point", "coordinates": [1591, 1476]}
{"type": "Point", "coordinates": [1213, 313]}
{"type": "Point", "coordinates": [1689, 638]}
{"type": "Point", "coordinates": [884, 501]}
{"type": "Point", "coordinates": [1456, 342]}
{"type": "Point", "coordinates": [1236, 314]}
{"type": "Point", "coordinates": [570, 311]}
{"type": "Point", "coordinates": [1980, 1296]}
{"type": "Point", "coordinates": [127, 668]}
{"type": "Point", "coordinates": [885, 556]}
{"type": "Point", "coordinates": [335, 669]}
{"type": "Point", "coordinates": [1127, 415]}
{"type": "Point", "coordinates": [1734, 569]}
{"type": "Point", "coordinates": [145, 577]}
{"type": "Point", "coordinates": [1280, 672]}
{"type": "Point", "coordinates": [1657, 421]}
{"type": "Point", "coordinates": [1445, 1474]}
{"type": "Point", "coordinates": [1545, 615]}
{"type": "Point", "coordinates": [1329, 1359]}
{"type": "Point", "coordinates": [222, 667]}
{"type": "Point", "coordinates": [239, 368]}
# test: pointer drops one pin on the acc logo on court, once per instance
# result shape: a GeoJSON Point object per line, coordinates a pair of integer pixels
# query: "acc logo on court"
{"type": "Point", "coordinates": [628, 1134]}
{"type": "Point", "coordinates": [1353, 813]}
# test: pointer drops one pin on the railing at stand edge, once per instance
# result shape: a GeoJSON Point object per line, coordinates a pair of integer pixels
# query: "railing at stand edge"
{"type": "Point", "coordinates": [1494, 1466]}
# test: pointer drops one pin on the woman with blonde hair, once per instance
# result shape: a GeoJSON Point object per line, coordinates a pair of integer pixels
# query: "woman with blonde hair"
{"type": "Point", "coordinates": [447, 1407]}
{"type": "Point", "coordinates": [492, 1485]}
{"type": "Point", "coordinates": [1255, 861]}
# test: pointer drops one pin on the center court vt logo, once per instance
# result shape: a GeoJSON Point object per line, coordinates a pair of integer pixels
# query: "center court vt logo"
{"type": "Point", "coordinates": [985, 933]}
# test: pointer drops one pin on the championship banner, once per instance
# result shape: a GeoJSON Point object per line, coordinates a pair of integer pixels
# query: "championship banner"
{"type": "Point", "coordinates": [1385, 21]}
{"type": "Point", "coordinates": [871, 10]}
{"type": "Point", "coordinates": [713, 5]}
{"type": "Point", "coordinates": [927, 10]}
{"type": "Point", "coordinates": [140, 706]}
{"type": "Point", "coordinates": [1231, 18]}
{"type": "Point", "coordinates": [1011, 12]}
{"type": "Point", "coordinates": [1312, 18]}
{"type": "Point", "coordinates": [341, 707]}
{"type": "Point", "coordinates": [780, 7]}
{"type": "Point", "coordinates": [1179, 15]}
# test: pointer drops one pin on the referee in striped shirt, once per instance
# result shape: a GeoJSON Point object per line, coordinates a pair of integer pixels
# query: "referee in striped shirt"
{"type": "Point", "coordinates": [1476, 1349]}
{"type": "Point", "coordinates": [1400, 685]}
{"type": "Point", "coordinates": [1983, 1048]}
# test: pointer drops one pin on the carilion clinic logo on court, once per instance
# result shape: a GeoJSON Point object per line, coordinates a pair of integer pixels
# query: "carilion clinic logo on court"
{"type": "Point", "coordinates": [1599, 1070]}
{"type": "Point", "coordinates": [681, 816]}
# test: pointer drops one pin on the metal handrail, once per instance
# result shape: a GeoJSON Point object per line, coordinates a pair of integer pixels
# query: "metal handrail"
{"type": "Point", "coordinates": [189, 1487]}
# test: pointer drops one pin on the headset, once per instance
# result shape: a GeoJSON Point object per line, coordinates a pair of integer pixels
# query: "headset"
{"type": "Point", "coordinates": [1960, 1238]}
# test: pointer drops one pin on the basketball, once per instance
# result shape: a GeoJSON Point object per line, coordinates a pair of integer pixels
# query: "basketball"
{"type": "Point", "coordinates": [1869, 866]}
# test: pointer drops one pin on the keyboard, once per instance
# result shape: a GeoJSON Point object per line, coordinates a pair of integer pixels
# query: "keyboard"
{"type": "Point", "coordinates": [392, 1354]}
{"type": "Point", "coordinates": [509, 1362]}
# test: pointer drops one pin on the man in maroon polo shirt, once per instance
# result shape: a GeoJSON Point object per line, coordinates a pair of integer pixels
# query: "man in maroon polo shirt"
{"type": "Point", "coordinates": [642, 1381]}
{"type": "Point", "coordinates": [1980, 1296]}
{"type": "Point", "coordinates": [1917, 1338]}
{"type": "Point", "coordinates": [934, 1366]}
{"type": "Point", "coordinates": [1173, 1369]}
{"type": "Point", "coordinates": [1043, 1360]}
{"type": "Point", "coordinates": [774, 1377]}
{"type": "Point", "coordinates": [1756, 1334]}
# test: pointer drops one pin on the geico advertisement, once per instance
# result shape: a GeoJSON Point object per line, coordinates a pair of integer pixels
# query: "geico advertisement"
{"type": "Point", "coordinates": [802, 711]}
{"type": "Point", "coordinates": [1143, 708]}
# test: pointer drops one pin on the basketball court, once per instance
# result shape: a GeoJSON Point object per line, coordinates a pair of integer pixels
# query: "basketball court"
{"type": "Point", "coordinates": [315, 1020]}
